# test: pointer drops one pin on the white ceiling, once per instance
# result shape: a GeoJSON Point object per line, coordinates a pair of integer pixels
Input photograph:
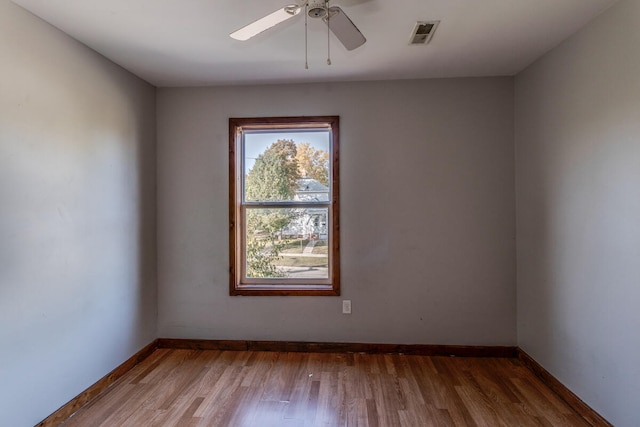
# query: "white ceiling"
{"type": "Point", "coordinates": [187, 43]}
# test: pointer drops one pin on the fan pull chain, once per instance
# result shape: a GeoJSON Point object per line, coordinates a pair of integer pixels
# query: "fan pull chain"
{"type": "Point", "coordinates": [306, 45]}
{"type": "Point", "coordinates": [328, 38]}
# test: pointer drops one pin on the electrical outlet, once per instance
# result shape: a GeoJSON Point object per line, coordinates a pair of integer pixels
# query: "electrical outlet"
{"type": "Point", "coordinates": [346, 306]}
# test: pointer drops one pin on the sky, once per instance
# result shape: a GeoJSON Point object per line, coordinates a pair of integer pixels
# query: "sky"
{"type": "Point", "coordinates": [255, 143]}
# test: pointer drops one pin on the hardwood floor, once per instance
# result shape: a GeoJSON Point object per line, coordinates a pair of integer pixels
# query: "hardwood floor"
{"type": "Point", "coordinates": [250, 388]}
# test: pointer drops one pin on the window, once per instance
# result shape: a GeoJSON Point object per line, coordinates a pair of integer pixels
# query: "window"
{"type": "Point", "coordinates": [283, 206]}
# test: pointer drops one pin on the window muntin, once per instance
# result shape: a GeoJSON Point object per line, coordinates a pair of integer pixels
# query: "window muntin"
{"type": "Point", "coordinates": [284, 206]}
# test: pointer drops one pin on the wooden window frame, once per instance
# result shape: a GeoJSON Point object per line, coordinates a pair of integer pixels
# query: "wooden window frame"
{"type": "Point", "coordinates": [281, 287]}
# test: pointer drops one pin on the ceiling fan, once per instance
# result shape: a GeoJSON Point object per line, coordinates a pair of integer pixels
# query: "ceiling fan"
{"type": "Point", "coordinates": [335, 18]}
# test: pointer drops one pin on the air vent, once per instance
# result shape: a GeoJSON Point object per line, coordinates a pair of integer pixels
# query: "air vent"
{"type": "Point", "coordinates": [423, 32]}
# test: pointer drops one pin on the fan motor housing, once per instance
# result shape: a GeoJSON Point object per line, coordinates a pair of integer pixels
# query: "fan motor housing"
{"type": "Point", "coordinates": [317, 8]}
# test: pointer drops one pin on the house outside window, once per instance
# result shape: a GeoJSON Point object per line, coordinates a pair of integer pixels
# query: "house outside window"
{"type": "Point", "coordinates": [284, 213]}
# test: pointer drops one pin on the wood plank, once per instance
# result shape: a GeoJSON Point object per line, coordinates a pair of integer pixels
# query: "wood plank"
{"type": "Point", "coordinates": [101, 385]}
{"type": "Point", "coordinates": [546, 409]}
{"type": "Point", "coordinates": [187, 387]}
{"type": "Point", "coordinates": [585, 411]}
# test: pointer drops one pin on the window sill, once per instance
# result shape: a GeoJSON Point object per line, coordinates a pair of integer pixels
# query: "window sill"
{"type": "Point", "coordinates": [284, 290]}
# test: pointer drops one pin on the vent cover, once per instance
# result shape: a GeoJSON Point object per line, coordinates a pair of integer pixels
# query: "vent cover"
{"type": "Point", "coordinates": [423, 32]}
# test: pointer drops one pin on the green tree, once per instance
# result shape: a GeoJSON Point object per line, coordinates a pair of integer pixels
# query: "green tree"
{"type": "Point", "coordinates": [260, 259]}
{"type": "Point", "coordinates": [275, 174]}
{"type": "Point", "coordinates": [273, 177]}
{"type": "Point", "coordinates": [313, 163]}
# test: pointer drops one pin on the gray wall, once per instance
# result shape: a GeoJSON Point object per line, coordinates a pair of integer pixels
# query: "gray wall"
{"type": "Point", "coordinates": [578, 213]}
{"type": "Point", "coordinates": [427, 214]}
{"type": "Point", "coordinates": [77, 217]}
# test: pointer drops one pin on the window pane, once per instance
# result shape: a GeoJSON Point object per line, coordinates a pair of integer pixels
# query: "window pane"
{"type": "Point", "coordinates": [284, 212]}
{"type": "Point", "coordinates": [287, 165]}
{"type": "Point", "coordinates": [290, 243]}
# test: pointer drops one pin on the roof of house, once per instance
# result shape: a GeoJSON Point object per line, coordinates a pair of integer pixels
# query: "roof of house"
{"type": "Point", "coordinates": [310, 185]}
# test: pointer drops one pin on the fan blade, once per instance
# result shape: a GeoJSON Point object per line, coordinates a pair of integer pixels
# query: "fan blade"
{"type": "Point", "coordinates": [344, 29]}
{"type": "Point", "coordinates": [269, 21]}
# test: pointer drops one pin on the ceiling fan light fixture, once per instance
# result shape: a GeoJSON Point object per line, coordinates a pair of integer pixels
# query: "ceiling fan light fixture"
{"type": "Point", "coordinates": [317, 8]}
{"type": "Point", "coordinates": [334, 17]}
